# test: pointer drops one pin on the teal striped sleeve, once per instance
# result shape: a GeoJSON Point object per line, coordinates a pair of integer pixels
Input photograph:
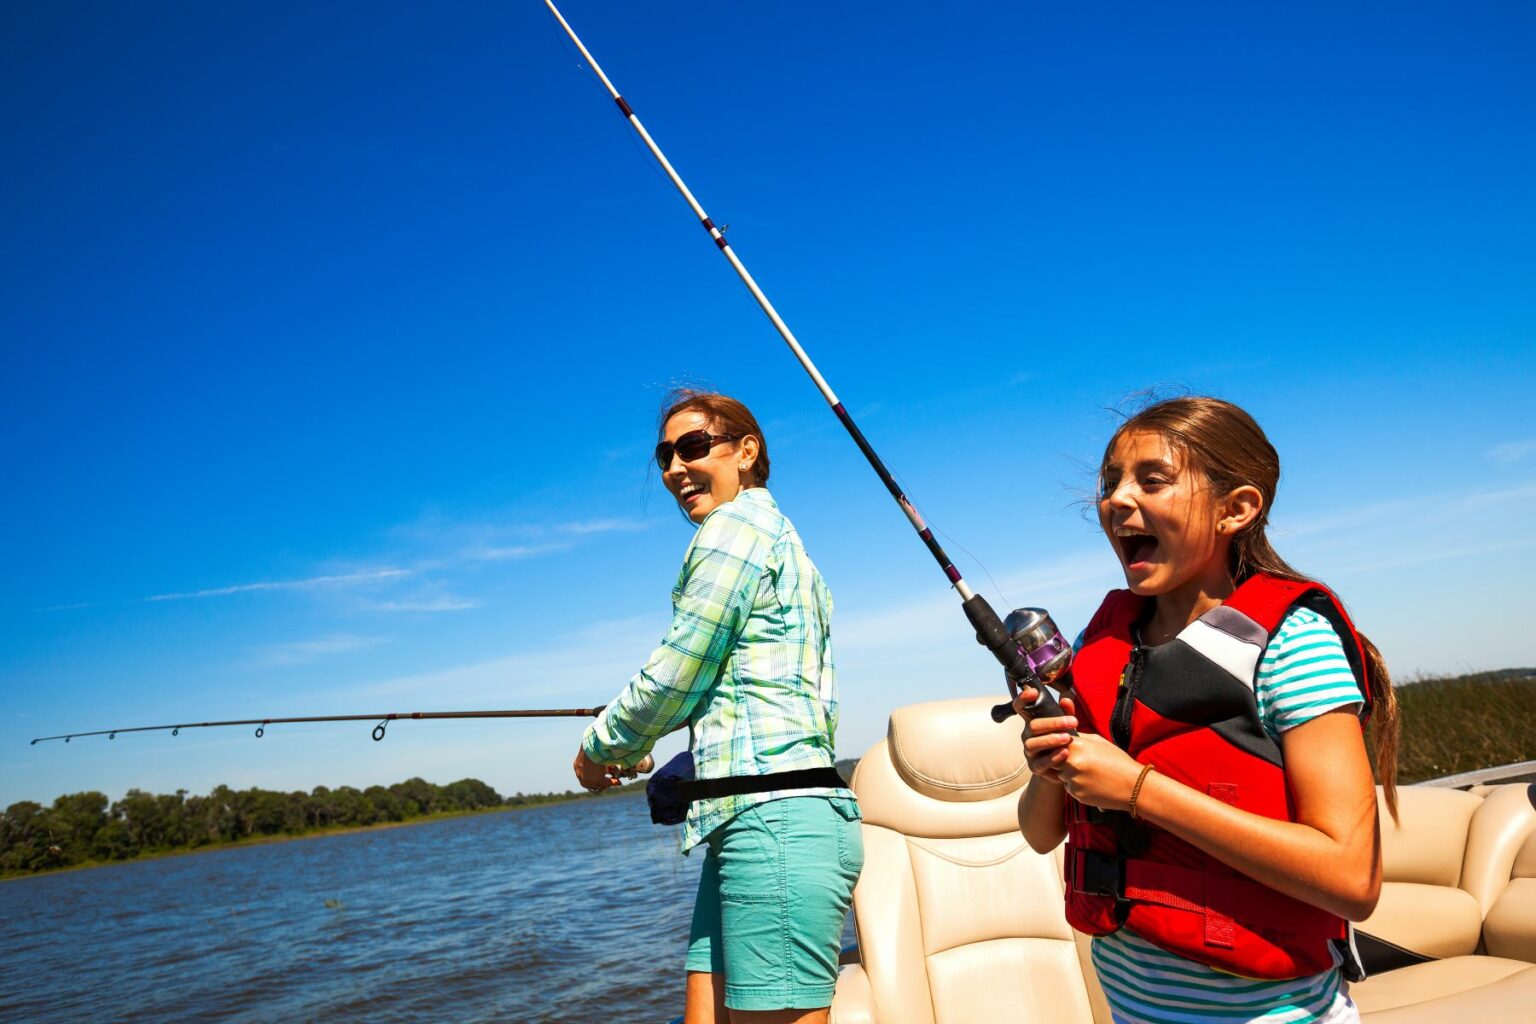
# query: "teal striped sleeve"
{"type": "Point", "coordinates": [1303, 673]}
{"type": "Point", "coordinates": [710, 608]}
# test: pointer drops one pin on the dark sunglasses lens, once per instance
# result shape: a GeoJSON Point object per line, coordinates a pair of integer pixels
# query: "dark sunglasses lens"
{"type": "Point", "coordinates": [694, 445]}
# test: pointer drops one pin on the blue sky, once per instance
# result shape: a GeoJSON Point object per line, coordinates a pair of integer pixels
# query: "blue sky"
{"type": "Point", "coordinates": [334, 337]}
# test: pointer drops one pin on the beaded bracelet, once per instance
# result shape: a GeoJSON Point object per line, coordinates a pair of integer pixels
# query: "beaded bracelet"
{"type": "Point", "coordinates": [1136, 789]}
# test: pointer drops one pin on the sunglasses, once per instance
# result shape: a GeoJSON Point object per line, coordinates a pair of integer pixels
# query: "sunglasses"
{"type": "Point", "coordinates": [690, 447]}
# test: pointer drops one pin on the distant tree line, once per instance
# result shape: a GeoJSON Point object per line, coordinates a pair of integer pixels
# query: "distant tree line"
{"type": "Point", "coordinates": [86, 827]}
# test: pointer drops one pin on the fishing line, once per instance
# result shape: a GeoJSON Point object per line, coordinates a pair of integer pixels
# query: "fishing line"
{"type": "Point", "coordinates": [1022, 663]}
{"type": "Point", "coordinates": [967, 551]}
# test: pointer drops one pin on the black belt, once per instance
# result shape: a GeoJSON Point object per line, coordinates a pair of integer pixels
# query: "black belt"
{"type": "Point", "coordinates": [736, 785]}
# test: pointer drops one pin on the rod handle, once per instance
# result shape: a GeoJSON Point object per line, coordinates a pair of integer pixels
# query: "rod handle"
{"type": "Point", "coordinates": [994, 636]}
{"type": "Point", "coordinates": [1045, 706]}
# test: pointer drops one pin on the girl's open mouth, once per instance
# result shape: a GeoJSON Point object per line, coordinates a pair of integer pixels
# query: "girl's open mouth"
{"type": "Point", "coordinates": [1137, 548]}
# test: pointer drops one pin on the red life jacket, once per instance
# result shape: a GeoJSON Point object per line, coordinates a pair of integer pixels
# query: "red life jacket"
{"type": "Point", "coordinates": [1188, 708]}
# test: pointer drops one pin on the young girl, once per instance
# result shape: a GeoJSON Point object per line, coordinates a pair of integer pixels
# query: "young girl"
{"type": "Point", "coordinates": [747, 666]}
{"type": "Point", "coordinates": [1210, 773]}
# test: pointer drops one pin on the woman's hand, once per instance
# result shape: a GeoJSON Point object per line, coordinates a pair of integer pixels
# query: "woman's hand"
{"type": "Point", "coordinates": [590, 775]}
{"type": "Point", "coordinates": [594, 777]}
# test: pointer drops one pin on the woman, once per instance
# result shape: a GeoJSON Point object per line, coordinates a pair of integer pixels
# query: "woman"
{"type": "Point", "coordinates": [747, 666]}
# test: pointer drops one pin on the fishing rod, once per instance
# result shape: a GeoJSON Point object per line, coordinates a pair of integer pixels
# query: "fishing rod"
{"type": "Point", "coordinates": [1032, 653]}
{"type": "Point", "coordinates": [378, 730]}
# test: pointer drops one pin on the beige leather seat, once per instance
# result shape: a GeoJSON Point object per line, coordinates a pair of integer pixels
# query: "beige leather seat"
{"type": "Point", "coordinates": [1459, 888]}
{"type": "Point", "coordinates": [958, 919]}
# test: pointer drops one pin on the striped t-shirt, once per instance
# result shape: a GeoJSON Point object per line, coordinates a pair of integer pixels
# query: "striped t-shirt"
{"type": "Point", "coordinates": [1303, 673]}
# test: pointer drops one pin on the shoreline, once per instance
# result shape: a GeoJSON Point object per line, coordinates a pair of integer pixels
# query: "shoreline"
{"type": "Point", "coordinates": [319, 833]}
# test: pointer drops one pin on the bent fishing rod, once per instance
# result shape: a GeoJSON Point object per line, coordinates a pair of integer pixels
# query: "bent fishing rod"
{"type": "Point", "coordinates": [1028, 645]}
{"type": "Point", "coordinates": [379, 730]}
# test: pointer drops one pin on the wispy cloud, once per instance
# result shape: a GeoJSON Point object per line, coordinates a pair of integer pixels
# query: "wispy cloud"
{"type": "Point", "coordinates": [513, 552]}
{"type": "Point", "coordinates": [1511, 451]}
{"type": "Point", "coordinates": [76, 606]}
{"type": "Point", "coordinates": [538, 539]}
{"type": "Point", "coordinates": [581, 668]}
{"type": "Point", "coordinates": [445, 603]}
{"type": "Point", "coordinates": [299, 652]}
{"type": "Point", "coordinates": [591, 526]}
{"type": "Point", "coordinates": [932, 615]}
{"type": "Point", "coordinates": [1430, 553]}
{"type": "Point", "coordinates": [1419, 511]}
{"type": "Point", "coordinates": [310, 583]}
{"type": "Point", "coordinates": [441, 544]}
{"type": "Point", "coordinates": [433, 548]}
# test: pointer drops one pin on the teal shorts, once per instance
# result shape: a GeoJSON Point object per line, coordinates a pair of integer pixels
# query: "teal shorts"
{"type": "Point", "coordinates": [776, 886]}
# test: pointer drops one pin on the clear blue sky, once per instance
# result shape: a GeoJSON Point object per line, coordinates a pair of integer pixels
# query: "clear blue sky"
{"type": "Point", "coordinates": [334, 336]}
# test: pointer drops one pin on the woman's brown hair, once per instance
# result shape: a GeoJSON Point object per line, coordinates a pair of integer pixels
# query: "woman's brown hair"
{"type": "Point", "coordinates": [1228, 446]}
{"type": "Point", "coordinates": [726, 416]}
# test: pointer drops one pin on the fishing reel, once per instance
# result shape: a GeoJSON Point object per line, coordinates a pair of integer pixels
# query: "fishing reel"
{"type": "Point", "coordinates": [1048, 655]}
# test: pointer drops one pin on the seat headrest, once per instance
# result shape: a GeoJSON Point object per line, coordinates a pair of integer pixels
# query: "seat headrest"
{"type": "Point", "coordinates": [951, 750]}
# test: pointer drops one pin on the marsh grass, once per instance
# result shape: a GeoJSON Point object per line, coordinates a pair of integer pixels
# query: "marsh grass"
{"type": "Point", "coordinates": [1464, 723]}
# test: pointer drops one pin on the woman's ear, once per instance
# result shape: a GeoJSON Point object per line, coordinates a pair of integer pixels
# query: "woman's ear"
{"type": "Point", "coordinates": [1239, 509]}
{"type": "Point", "coordinates": [746, 453]}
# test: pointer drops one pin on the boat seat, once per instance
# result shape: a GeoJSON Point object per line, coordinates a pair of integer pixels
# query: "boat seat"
{"type": "Point", "coordinates": [1457, 916]}
{"type": "Point", "coordinates": [959, 921]}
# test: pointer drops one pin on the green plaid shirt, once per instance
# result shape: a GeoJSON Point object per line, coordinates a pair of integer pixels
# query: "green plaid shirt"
{"type": "Point", "coordinates": [746, 663]}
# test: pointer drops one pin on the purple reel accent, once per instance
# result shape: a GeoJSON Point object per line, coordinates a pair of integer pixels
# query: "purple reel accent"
{"type": "Point", "coordinates": [1041, 657]}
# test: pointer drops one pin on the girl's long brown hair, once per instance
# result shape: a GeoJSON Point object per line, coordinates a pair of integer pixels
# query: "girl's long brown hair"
{"type": "Point", "coordinates": [1225, 443]}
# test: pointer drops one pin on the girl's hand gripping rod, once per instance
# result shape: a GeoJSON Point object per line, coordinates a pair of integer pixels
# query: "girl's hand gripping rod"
{"type": "Point", "coordinates": [990, 631]}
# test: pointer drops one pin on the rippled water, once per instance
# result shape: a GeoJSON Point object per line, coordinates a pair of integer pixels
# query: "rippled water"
{"type": "Point", "coordinates": [571, 912]}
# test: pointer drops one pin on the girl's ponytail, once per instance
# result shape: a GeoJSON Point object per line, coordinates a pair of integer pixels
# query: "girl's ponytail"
{"type": "Point", "coordinates": [1385, 727]}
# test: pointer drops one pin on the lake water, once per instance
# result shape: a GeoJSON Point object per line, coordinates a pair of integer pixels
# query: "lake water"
{"type": "Point", "coordinates": [571, 912]}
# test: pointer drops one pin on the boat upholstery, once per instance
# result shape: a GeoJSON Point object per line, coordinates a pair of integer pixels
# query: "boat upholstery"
{"type": "Point", "coordinates": [960, 921]}
{"type": "Point", "coordinates": [1424, 912]}
{"type": "Point", "coordinates": [1509, 928]}
{"type": "Point", "coordinates": [1485, 968]}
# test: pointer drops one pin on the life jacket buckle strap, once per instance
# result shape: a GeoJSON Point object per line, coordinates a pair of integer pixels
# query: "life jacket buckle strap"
{"type": "Point", "coordinates": [1098, 874]}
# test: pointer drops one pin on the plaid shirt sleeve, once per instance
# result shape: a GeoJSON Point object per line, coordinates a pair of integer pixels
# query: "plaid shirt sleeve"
{"type": "Point", "coordinates": [714, 599]}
